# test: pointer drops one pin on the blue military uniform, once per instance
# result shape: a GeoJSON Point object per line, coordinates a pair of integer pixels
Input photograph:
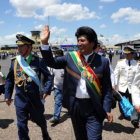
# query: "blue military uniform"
{"type": "Point", "coordinates": [27, 97]}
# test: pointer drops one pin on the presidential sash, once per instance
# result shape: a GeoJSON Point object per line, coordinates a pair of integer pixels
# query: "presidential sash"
{"type": "Point", "coordinates": [28, 70]}
{"type": "Point", "coordinates": [87, 73]}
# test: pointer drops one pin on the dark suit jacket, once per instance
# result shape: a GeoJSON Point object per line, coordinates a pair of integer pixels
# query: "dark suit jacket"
{"type": "Point", "coordinates": [100, 67]}
{"type": "Point", "coordinates": [32, 95]}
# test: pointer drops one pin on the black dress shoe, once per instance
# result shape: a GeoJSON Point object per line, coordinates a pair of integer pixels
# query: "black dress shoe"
{"type": "Point", "coordinates": [46, 137]}
{"type": "Point", "coordinates": [54, 121]}
{"type": "Point", "coordinates": [45, 134]}
{"type": "Point", "coordinates": [135, 123]}
{"type": "Point", "coordinates": [121, 117]}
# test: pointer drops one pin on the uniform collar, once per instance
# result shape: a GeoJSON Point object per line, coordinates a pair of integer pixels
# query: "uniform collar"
{"type": "Point", "coordinates": [129, 60]}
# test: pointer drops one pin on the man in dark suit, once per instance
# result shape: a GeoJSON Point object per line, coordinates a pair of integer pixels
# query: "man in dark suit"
{"type": "Point", "coordinates": [26, 77]}
{"type": "Point", "coordinates": [87, 91]}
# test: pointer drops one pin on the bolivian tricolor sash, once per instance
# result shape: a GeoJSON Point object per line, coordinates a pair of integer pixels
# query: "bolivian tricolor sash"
{"type": "Point", "coordinates": [90, 76]}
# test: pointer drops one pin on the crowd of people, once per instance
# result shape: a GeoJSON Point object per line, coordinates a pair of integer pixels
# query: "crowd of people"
{"type": "Point", "coordinates": [83, 82]}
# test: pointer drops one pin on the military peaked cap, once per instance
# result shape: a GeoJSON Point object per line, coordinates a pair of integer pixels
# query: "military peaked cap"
{"type": "Point", "coordinates": [23, 40]}
{"type": "Point", "coordinates": [128, 49]}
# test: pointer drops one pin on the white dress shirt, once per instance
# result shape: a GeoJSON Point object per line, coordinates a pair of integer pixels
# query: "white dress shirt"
{"type": "Point", "coordinates": [81, 91]}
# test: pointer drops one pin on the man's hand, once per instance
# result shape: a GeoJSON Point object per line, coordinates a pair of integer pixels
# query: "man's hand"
{"type": "Point", "coordinates": [110, 117]}
{"type": "Point", "coordinates": [62, 75]}
{"type": "Point", "coordinates": [114, 87]}
{"type": "Point", "coordinates": [8, 101]}
{"type": "Point", "coordinates": [45, 35]}
{"type": "Point", "coordinates": [137, 108]}
{"type": "Point", "coordinates": [43, 95]}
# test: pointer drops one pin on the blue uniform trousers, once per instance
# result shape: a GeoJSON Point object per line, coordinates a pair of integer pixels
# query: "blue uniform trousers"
{"type": "Point", "coordinates": [23, 115]}
{"type": "Point", "coordinates": [58, 103]}
{"type": "Point", "coordinates": [85, 121]}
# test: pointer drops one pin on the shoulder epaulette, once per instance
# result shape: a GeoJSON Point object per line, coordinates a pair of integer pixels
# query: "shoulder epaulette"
{"type": "Point", "coordinates": [13, 58]}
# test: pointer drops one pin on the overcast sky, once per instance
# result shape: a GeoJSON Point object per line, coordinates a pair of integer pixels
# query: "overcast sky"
{"type": "Point", "coordinates": [116, 20]}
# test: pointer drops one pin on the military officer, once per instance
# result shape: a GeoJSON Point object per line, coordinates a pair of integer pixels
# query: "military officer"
{"type": "Point", "coordinates": [125, 71]}
{"type": "Point", "coordinates": [25, 74]}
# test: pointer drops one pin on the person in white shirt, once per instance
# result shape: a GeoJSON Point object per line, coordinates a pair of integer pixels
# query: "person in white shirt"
{"type": "Point", "coordinates": [125, 71]}
{"type": "Point", "coordinates": [58, 75]}
{"type": "Point", "coordinates": [136, 90]}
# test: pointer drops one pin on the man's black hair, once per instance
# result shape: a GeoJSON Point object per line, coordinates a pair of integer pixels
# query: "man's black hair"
{"type": "Point", "coordinates": [89, 33]}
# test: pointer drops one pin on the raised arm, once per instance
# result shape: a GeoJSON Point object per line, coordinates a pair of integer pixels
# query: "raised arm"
{"type": "Point", "coordinates": [45, 35]}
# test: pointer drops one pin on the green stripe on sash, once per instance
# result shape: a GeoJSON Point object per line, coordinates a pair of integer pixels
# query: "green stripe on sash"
{"type": "Point", "coordinates": [92, 83]}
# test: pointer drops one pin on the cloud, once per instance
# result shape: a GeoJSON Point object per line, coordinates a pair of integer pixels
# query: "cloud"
{"type": "Point", "coordinates": [69, 12]}
{"type": "Point", "coordinates": [126, 14]}
{"type": "Point", "coordinates": [100, 7]}
{"type": "Point", "coordinates": [8, 39]}
{"type": "Point", "coordinates": [1, 39]}
{"type": "Point", "coordinates": [45, 8]}
{"type": "Point", "coordinates": [2, 22]}
{"type": "Point", "coordinates": [116, 38]}
{"type": "Point", "coordinates": [136, 36]}
{"type": "Point", "coordinates": [64, 41]}
{"type": "Point", "coordinates": [56, 31]}
{"type": "Point", "coordinates": [8, 11]}
{"type": "Point", "coordinates": [103, 26]}
{"type": "Point", "coordinates": [107, 0]}
{"type": "Point", "coordinates": [27, 8]}
{"type": "Point", "coordinates": [39, 27]}
{"type": "Point", "coordinates": [11, 39]}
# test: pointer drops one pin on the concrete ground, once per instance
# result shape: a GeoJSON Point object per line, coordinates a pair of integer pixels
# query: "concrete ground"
{"type": "Point", "coordinates": [118, 130]}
